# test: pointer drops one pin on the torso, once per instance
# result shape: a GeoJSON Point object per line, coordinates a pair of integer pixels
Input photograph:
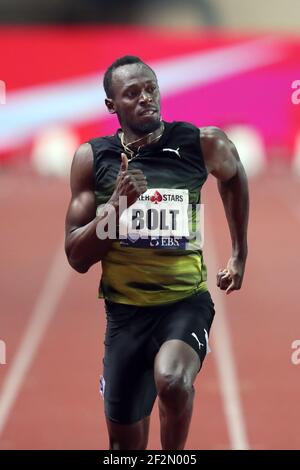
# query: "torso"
{"type": "Point", "coordinates": [139, 274]}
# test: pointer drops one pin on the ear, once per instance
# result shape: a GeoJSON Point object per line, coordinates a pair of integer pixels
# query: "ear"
{"type": "Point", "coordinates": [110, 105]}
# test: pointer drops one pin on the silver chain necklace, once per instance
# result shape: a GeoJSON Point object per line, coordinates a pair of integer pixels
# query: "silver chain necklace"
{"type": "Point", "coordinates": [132, 152]}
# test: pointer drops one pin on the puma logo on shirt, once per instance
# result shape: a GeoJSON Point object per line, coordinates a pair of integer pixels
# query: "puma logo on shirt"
{"type": "Point", "coordinates": [173, 150]}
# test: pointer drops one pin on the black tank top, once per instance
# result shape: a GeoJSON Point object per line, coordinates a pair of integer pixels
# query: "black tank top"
{"type": "Point", "coordinates": [155, 270]}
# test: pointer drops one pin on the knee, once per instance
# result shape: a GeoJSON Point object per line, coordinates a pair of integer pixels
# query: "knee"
{"type": "Point", "coordinates": [174, 390]}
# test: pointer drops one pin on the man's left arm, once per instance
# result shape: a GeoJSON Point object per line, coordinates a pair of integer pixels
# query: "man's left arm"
{"type": "Point", "coordinates": [222, 160]}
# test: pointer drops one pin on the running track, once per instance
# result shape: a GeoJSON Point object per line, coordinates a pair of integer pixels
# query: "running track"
{"type": "Point", "coordinates": [53, 325]}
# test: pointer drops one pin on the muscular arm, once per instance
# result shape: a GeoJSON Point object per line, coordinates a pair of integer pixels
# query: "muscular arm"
{"type": "Point", "coordinates": [83, 247]}
{"type": "Point", "coordinates": [222, 161]}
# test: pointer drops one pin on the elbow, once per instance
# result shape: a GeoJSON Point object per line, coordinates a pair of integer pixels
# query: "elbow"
{"type": "Point", "coordinates": [77, 264]}
{"type": "Point", "coordinates": [79, 267]}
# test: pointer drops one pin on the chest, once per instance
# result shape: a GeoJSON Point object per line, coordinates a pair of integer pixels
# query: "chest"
{"type": "Point", "coordinates": [167, 167]}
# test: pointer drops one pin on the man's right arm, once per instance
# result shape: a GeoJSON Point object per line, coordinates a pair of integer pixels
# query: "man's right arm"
{"type": "Point", "coordinates": [82, 245]}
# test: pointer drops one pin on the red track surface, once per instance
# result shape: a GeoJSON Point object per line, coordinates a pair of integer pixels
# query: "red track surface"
{"type": "Point", "coordinates": [58, 406]}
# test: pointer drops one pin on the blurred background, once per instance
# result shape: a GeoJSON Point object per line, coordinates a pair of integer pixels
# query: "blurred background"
{"type": "Point", "coordinates": [230, 64]}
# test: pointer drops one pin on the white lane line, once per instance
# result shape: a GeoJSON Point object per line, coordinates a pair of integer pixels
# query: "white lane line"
{"type": "Point", "coordinates": [222, 349]}
{"type": "Point", "coordinates": [43, 312]}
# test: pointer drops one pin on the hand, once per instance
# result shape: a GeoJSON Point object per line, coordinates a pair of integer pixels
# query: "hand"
{"type": "Point", "coordinates": [231, 278]}
{"type": "Point", "coordinates": [130, 183]}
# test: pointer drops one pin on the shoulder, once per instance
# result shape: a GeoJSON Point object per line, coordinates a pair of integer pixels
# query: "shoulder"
{"type": "Point", "coordinates": [214, 141]}
{"type": "Point", "coordinates": [83, 155]}
{"type": "Point", "coordinates": [211, 135]}
{"type": "Point", "coordinates": [217, 149]}
{"type": "Point", "coordinates": [82, 166]}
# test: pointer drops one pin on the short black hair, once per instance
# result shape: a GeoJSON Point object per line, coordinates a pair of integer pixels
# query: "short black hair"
{"type": "Point", "coordinates": [125, 60]}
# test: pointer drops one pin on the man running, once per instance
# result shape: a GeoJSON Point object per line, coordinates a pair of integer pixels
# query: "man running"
{"type": "Point", "coordinates": [159, 311]}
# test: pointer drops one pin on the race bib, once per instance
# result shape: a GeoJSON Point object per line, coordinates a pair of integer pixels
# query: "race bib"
{"type": "Point", "coordinates": [158, 219]}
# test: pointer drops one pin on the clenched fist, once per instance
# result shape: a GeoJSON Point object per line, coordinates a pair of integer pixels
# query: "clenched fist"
{"type": "Point", "coordinates": [130, 183]}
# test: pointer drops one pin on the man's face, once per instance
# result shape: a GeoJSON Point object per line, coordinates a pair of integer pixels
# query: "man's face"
{"type": "Point", "coordinates": [136, 98]}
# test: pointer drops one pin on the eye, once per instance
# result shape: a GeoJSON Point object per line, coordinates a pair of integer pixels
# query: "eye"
{"type": "Point", "coordinates": [151, 89]}
{"type": "Point", "coordinates": [131, 93]}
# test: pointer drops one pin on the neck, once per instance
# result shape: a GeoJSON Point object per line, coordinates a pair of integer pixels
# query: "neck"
{"type": "Point", "coordinates": [135, 140]}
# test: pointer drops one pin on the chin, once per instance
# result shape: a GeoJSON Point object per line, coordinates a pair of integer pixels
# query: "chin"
{"type": "Point", "coordinates": [149, 125]}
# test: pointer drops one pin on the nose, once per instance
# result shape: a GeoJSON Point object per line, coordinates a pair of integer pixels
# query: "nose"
{"type": "Point", "coordinates": [145, 97]}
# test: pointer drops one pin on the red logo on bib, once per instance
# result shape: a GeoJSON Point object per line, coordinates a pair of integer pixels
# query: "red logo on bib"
{"type": "Point", "coordinates": [156, 197]}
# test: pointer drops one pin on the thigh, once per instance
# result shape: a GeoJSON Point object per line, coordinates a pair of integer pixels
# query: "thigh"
{"type": "Point", "coordinates": [188, 321]}
{"type": "Point", "coordinates": [128, 380]}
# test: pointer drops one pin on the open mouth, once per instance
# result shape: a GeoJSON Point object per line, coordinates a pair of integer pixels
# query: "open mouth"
{"type": "Point", "coordinates": [148, 112]}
